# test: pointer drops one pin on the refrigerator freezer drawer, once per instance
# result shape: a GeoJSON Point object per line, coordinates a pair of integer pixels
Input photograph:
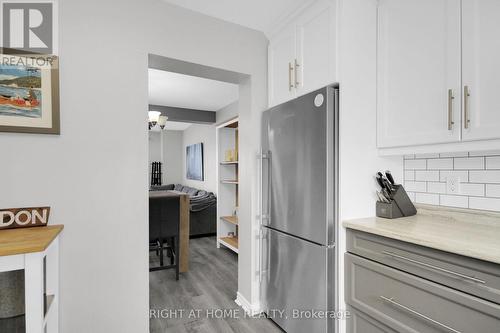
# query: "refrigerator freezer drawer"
{"type": "Point", "coordinates": [297, 276]}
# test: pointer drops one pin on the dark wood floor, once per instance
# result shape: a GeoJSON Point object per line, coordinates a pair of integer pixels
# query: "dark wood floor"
{"type": "Point", "coordinates": [209, 287]}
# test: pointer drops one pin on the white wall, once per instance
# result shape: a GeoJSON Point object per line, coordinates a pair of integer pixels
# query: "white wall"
{"type": "Point", "coordinates": [227, 113]}
{"type": "Point", "coordinates": [205, 134]}
{"type": "Point", "coordinates": [94, 174]}
{"type": "Point", "coordinates": [359, 160]}
{"type": "Point", "coordinates": [172, 151]}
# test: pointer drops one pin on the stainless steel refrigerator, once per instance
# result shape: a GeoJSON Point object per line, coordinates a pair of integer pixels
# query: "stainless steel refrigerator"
{"type": "Point", "coordinates": [299, 180]}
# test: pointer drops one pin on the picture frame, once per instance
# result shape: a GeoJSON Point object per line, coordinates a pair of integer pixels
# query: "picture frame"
{"type": "Point", "coordinates": [194, 162]}
{"type": "Point", "coordinates": [29, 92]}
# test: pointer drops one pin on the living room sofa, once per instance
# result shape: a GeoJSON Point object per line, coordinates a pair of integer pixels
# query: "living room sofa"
{"type": "Point", "coordinates": [203, 209]}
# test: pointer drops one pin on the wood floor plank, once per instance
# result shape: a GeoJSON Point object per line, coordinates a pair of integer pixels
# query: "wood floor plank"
{"type": "Point", "coordinates": [210, 284]}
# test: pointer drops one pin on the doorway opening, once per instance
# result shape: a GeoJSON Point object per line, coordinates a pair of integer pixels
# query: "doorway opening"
{"type": "Point", "coordinates": [194, 158]}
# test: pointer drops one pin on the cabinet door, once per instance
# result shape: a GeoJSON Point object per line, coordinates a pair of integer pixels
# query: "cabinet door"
{"type": "Point", "coordinates": [481, 69]}
{"type": "Point", "coordinates": [418, 64]}
{"type": "Point", "coordinates": [316, 41]}
{"type": "Point", "coordinates": [281, 56]}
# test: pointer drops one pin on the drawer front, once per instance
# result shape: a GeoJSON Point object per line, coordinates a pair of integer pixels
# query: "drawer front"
{"type": "Point", "coordinates": [407, 303]}
{"type": "Point", "coordinates": [469, 275]}
{"type": "Point", "coordinates": [360, 322]}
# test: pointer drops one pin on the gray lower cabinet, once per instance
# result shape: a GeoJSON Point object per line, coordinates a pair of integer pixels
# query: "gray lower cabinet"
{"type": "Point", "coordinates": [360, 322]}
{"type": "Point", "coordinates": [391, 299]}
{"type": "Point", "coordinates": [472, 276]}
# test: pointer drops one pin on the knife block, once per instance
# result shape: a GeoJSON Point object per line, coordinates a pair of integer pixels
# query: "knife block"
{"type": "Point", "coordinates": [399, 206]}
{"type": "Point", "coordinates": [388, 210]}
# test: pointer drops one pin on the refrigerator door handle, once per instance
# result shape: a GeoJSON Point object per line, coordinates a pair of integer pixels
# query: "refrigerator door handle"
{"type": "Point", "coordinates": [262, 216]}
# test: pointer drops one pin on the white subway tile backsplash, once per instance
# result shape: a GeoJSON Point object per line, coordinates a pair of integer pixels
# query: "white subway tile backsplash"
{"type": "Point", "coordinates": [468, 163]}
{"type": "Point", "coordinates": [462, 175]}
{"type": "Point", "coordinates": [493, 162]}
{"type": "Point", "coordinates": [485, 153]}
{"type": "Point", "coordinates": [415, 164]}
{"type": "Point", "coordinates": [433, 187]}
{"type": "Point", "coordinates": [454, 201]}
{"type": "Point", "coordinates": [485, 203]}
{"type": "Point", "coordinates": [427, 198]}
{"type": "Point", "coordinates": [453, 154]}
{"type": "Point", "coordinates": [415, 186]}
{"type": "Point", "coordinates": [440, 164]}
{"type": "Point", "coordinates": [409, 175]}
{"type": "Point", "coordinates": [493, 190]}
{"type": "Point", "coordinates": [427, 175]}
{"type": "Point", "coordinates": [426, 155]}
{"type": "Point", "coordinates": [472, 189]}
{"type": "Point", "coordinates": [485, 176]}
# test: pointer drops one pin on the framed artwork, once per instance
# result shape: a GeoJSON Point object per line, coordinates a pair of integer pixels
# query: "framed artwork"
{"type": "Point", "coordinates": [29, 92]}
{"type": "Point", "coordinates": [194, 161]}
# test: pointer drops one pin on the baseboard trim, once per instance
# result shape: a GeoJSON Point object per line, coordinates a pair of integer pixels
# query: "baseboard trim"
{"type": "Point", "coordinates": [249, 308]}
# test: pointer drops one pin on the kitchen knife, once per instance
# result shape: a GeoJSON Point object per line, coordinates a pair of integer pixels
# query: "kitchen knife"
{"type": "Point", "coordinates": [380, 181]}
{"type": "Point", "coordinates": [386, 194]}
{"type": "Point", "coordinates": [388, 175]}
{"type": "Point", "coordinates": [386, 182]}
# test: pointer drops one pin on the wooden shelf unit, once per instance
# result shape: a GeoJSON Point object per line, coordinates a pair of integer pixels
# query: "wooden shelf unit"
{"type": "Point", "coordinates": [230, 242]}
{"type": "Point", "coordinates": [227, 196]}
{"type": "Point", "coordinates": [230, 219]}
{"type": "Point", "coordinates": [228, 181]}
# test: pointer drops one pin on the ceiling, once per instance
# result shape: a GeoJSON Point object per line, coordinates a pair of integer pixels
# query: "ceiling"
{"type": "Point", "coordinates": [173, 126]}
{"type": "Point", "coordinates": [189, 92]}
{"type": "Point", "coordinates": [255, 14]}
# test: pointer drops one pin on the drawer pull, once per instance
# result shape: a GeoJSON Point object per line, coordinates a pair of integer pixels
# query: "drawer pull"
{"type": "Point", "coordinates": [418, 314]}
{"type": "Point", "coordinates": [462, 276]}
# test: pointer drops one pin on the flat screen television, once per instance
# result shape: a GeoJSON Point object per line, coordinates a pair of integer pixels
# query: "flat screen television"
{"type": "Point", "coordinates": [194, 161]}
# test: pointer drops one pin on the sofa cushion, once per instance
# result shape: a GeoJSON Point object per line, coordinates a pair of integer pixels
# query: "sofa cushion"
{"type": "Point", "coordinates": [178, 187]}
{"type": "Point", "coordinates": [192, 192]}
{"type": "Point", "coordinates": [201, 193]}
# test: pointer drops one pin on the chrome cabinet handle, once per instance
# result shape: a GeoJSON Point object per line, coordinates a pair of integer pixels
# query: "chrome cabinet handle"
{"type": "Point", "coordinates": [466, 107]}
{"type": "Point", "coordinates": [290, 83]}
{"type": "Point", "coordinates": [450, 109]}
{"type": "Point", "coordinates": [436, 268]}
{"type": "Point", "coordinates": [418, 314]}
{"type": "Point", "coordinates": [296, 73]}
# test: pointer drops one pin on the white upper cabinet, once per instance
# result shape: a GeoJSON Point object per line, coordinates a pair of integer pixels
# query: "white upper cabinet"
{"type": "Point", "coordinates": [281, 55]}
{"type": "Point", "coordinates": [481, 68]}
{"type": "Point", "coordinates": [315, 48]}
{"type": "Point", "coordinates": [438, 75]}
{"type": "Point", "coordinates": [418, 72]}
{"type": "Point", "coordinates": [302, 53]}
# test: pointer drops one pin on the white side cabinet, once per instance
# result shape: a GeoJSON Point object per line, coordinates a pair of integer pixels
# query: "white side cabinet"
{"type": "Point", "coordinates": [438, 75]}
{"type": "Point", "coordinates": [302, 53]}
{"type": "Point", "coordinates": [481, 68]}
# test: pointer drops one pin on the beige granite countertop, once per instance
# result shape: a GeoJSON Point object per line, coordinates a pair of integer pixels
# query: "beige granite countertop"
{"type": "Point", "coordinates": [469, 233]}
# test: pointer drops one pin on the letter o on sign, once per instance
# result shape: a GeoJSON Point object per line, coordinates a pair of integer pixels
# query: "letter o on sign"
{"type": "Point", "coordinates": [25, 220]}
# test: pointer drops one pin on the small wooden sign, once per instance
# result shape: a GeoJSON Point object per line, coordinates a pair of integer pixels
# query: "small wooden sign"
{"type": "Point", "coordinates": [24, 217]}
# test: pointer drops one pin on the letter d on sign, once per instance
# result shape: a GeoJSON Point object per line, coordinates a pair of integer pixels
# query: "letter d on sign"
{"type": "Point", "coordinates": [6, 219]}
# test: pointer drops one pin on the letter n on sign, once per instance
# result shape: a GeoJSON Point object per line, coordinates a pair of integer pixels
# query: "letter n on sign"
{"type": "Point", "coordinates": [24, 217]}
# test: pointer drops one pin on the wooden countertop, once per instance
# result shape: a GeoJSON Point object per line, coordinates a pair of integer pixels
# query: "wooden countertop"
{"type": "Point", "coordinates": [470, 233]}
{"type": "Point", "coordinates": [27, 240]}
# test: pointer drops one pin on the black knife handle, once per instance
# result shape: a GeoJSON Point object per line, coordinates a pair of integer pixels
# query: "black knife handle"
{"type": "Point", "coordinates": [388, 175]}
